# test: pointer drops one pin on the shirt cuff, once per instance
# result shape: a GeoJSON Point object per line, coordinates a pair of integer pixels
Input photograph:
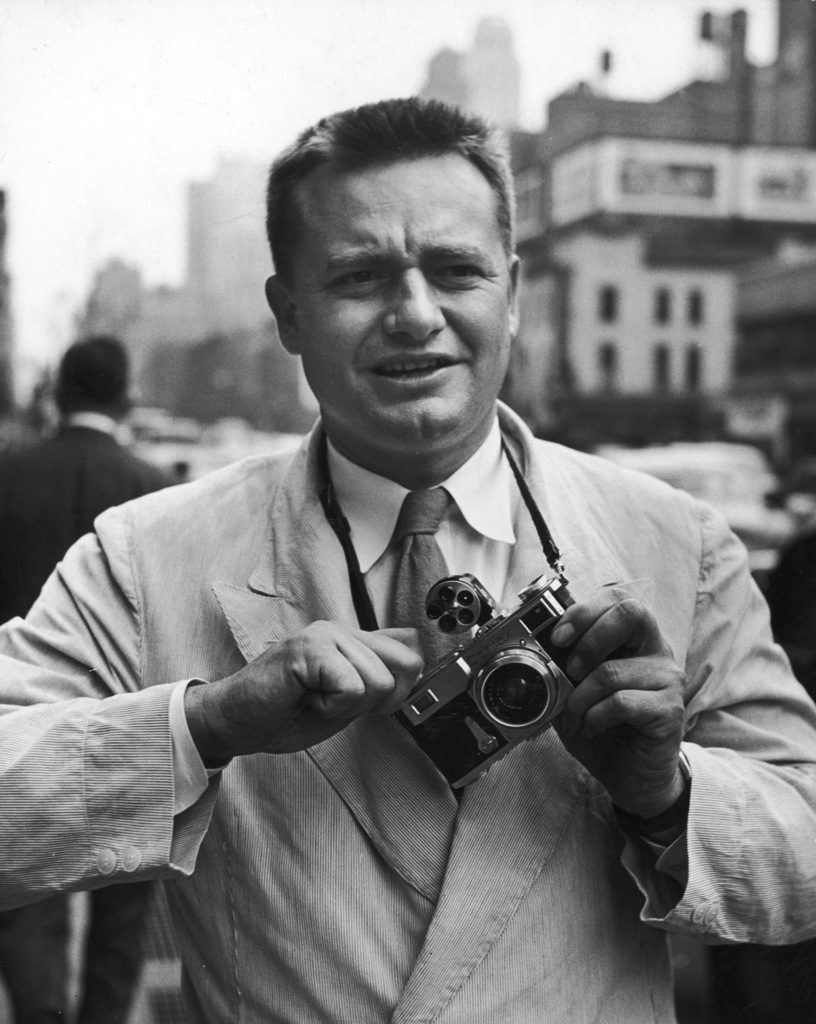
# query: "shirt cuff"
{"type": "Point", "coordinates": [672, 859]}
{"type": "Point", "coordinates": [190, 777]}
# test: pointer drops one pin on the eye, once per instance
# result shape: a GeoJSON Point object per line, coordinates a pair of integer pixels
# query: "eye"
{"type": "Point", "coordinates": [357, 282]}
{"type": "Point", "coordinates": [459, 275]}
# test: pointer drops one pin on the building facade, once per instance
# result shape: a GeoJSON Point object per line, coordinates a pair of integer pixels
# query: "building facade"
{"type": "Point", "coordinates": [773, 400]}
{"type": "Point", "coordinates": [644, 212]}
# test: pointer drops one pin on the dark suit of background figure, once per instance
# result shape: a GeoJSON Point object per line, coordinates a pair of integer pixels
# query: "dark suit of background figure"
{"type": "Point", "coordinates": [50, 494]}
{"type": "Point", "coordinates": [777, 984]}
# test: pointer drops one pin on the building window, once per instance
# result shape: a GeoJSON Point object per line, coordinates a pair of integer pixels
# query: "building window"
{"type": "Point", "coordinates": [608, 303]}
{"type": "Point", "coordinates": [662, 306]}
{"type": "Point", "coordinates": [694, 367]}
{"type": "Point", "coordinates": [695, 308]}
{"type": "Point", "coordinates": [608, 365]}
{"type": "Point", "coordinates": [661, 363]}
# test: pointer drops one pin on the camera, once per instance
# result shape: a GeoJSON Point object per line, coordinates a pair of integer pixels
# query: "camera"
{"type": "Point", "coordinates": [500, 687]}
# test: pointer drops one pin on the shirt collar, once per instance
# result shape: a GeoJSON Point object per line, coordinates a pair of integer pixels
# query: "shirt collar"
{"type": "Point", "coordinates": [92, 421]}
{"type": "Point", "coordinates": [371, 503]}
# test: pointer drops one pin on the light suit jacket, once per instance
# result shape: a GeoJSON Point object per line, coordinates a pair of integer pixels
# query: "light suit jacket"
{"type": "Point", "coordinates": [345, 883]}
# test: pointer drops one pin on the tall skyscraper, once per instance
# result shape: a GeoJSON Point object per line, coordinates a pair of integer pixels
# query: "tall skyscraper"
{"type": "Point", "coordinates": [485, 80]}
{"type": "Point", "coordinates": [227, 254]}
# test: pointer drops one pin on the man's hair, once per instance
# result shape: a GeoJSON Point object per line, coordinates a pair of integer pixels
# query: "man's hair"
{"type": "Point", "coordinates": [93, 375]}
{"type": "Point", "coordinates": [379, 134]}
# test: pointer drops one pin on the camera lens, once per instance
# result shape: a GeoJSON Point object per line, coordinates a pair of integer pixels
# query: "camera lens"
{"type": "Point", "coordinates": [516, 691]}
{"type": "Point", "coordinates": [447, 623]}
{"type": "Point", "coordinates": [465, 597]}
{"type": "Point", "coordinates": [465, 617]}
{"type": "Point", "coordinates": [433, 611]}
{"type": "Point", "coordinates": [447, 594]}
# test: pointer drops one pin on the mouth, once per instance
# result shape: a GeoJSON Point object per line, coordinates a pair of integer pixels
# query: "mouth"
{"type": "Point", "coordinates": [410, 369]}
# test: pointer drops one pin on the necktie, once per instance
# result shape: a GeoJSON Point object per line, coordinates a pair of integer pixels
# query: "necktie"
{"type": "Point", "coordinates": [420, 565]}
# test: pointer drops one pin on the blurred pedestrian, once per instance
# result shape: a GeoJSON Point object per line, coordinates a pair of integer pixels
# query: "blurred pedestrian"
{"type": "Point", "coordinates": [50, 494]}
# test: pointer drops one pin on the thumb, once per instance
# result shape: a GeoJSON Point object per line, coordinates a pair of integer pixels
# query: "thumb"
{"type": "Point", "coordinates": [405, 635]}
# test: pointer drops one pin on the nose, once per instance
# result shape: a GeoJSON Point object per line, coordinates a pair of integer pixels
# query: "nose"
{"type": "Point", "coordinates": [414, 310]}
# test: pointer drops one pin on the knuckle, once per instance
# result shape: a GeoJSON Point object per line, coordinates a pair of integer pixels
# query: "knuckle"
{"type": "Point", "coordinates": [623, 702]}
{"type": "Point", "coordinates": [635, 614]}
{"type": "Point", "coordinates": [611, 675]}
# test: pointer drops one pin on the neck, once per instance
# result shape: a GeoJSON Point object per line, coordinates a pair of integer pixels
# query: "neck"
{"type": "Point", "coordinates": [414, 468]}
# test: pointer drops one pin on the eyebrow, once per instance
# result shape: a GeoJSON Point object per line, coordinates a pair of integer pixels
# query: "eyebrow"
{"type": "Point", "coordinates": [339, 261]}
{"type": "Point", "coordinates": [342, 260]}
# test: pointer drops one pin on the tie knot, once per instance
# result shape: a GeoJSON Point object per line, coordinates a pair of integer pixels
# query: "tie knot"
{"type": "Point", "coordinates": [421, 512]}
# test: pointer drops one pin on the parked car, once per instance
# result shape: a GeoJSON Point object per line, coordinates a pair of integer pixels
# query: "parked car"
{"type": "Point", "coordinates": [187, 450]}
{"type": "Point", "coordinates": [734, 478]}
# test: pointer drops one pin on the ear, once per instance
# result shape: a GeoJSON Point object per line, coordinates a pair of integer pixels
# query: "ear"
{"type": "Point", "coordinates": [515, 278]}
{"type": "Point", "coordinates": [283, 307]}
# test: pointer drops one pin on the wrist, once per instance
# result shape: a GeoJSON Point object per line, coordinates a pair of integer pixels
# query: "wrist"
{"type": "Point", "coordinates": [670, 822]}
{"type": "Point", "coordinates": [199, 722]}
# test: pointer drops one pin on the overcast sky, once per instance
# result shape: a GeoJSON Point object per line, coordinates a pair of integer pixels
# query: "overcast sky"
{"type": "Point", "coordinates": [108, 107]}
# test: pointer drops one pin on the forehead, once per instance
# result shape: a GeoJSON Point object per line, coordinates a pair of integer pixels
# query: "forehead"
{"type": "Point", "coordinates": [431, 200]}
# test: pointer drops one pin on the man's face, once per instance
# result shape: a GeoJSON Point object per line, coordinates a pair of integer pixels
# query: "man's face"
{"type": "Point", "coordinates": [402, 306]}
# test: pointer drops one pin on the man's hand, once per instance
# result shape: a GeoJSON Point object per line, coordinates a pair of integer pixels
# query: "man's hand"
{"type": "Point", "coordinates": [624, 720]}
{"type": "Point", "coordinates": [302, 690]}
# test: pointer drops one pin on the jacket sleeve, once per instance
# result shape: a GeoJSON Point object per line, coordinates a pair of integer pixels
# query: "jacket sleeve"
{"type": "Point", "coordinates": [86, 770]}
{"type": "Point", "coordinates": [751, 741]}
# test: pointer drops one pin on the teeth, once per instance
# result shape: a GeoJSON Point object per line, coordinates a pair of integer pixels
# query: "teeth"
{"type": "Point", "coordinates": [412, 367]}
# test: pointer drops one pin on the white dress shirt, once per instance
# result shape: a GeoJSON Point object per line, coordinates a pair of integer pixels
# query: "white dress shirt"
{"type": "Point", "coordinates": [475, 536]}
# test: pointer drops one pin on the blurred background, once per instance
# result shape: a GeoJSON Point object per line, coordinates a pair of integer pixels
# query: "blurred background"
{"type": "Point", "coordinates": [665, 161]}
{"type": "Point", "coordinates": [664, 153]}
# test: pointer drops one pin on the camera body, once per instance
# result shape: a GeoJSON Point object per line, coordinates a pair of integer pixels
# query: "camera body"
{"type": "Point", "coordinates": [502, 687]}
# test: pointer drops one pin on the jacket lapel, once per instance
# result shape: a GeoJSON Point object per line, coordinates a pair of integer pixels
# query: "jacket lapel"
{"type": "Point", "coordinates": [509, 825]}
{"type": "Point", "coordinates": [393, 791]}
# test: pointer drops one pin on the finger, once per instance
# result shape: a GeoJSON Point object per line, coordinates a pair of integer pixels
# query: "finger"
{"type": "Point", "coordinates": [387, 668]}
{"type": "Point", "coordinates": [398, 650]}
{"type": "Point", "coordinates": [600, 631]}
{"type": "Point", "coordinates": [404, 634]}
{"type": "Point", "coordinates": [335, 680]}
{"type": "Point", "coordinates": [398, 646]}
{"type": "Point", "coordinates": [334, 668]}
{"type": "Point", "coordinates": [647, 675]}
{"type": "Point", "coordinates": [647, 712]}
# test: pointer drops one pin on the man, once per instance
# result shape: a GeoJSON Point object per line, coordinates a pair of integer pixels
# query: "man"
{"type": "Point", "coordinates": [224, 721]}
{"type": "Point", "coordinates": [50, 494]}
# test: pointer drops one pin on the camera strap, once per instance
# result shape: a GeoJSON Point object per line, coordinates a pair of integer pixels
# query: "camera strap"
{"type": "Point", "coordinates": [548, 545]}
{"type": "Point", "coordinates": [366, 615]}
{"type": "Point", "coordinates": [363, 606]}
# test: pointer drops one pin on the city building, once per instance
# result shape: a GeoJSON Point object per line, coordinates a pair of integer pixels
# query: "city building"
{"type": "Point", "coordinates": [209, 347]}
{"type": "Point", "coordinates": [642, 214]}
{"type": "Point", "coordinates": [227, 254]}
{"type": "Point", "coordinates": [773, 400]}
{"type": "Point", "coordinates": [486, 79]}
